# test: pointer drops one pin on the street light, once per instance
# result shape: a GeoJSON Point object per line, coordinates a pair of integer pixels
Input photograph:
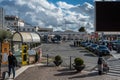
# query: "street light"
{"type": "Point", "coordinates": [65, 24]}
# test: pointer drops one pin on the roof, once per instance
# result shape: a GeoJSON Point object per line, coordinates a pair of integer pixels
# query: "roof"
{"type": "Point", "coordinates": [26, 37]}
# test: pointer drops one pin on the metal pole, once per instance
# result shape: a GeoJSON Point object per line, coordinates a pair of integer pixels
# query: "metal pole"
{"type": "Point", "coordinates": [0, 57]}
{"type": "Point", "coordinates": [47, 59]}
{"type": "Point", "coordinates": [0, 64]}
{"type": "Point", "coordinates": [70, 62]}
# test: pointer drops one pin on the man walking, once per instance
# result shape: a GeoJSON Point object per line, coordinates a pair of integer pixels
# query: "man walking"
{"type": "Point", "coordinates": [11, 63]}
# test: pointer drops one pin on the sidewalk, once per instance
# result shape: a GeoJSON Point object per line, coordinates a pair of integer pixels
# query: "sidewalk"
{"type": "Point", "coordinates": [61, 73]}
{"type": "Point", "coordinates": [40, 72]}
{"type": "Point", "coordinates": [20, 70]}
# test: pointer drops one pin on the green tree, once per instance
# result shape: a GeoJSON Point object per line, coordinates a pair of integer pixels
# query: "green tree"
{"type": "Point", "coordinates": [5, 35]}
{"type": "Point", "coordinates": [82, 29]}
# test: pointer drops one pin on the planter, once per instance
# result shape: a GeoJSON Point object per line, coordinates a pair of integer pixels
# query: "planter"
{"type": "Point", "coordinates": [79, 68]}
{"type": "Point", "coordinates": [57, 63]}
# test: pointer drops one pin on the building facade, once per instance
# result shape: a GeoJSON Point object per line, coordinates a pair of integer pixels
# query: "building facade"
{"type": "Point", "coordinates": [13, 22]}
{"type": "Point", "coordinates": [111, 36]}
{"type": "Point", "coordinates": [2, 14]}
{"type": "Point", "coordinates": [68, 35]}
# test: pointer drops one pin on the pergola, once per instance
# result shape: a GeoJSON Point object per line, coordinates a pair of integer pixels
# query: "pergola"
{"type": "Point", "coordinates": [26, 37]}
{"type": "Point", "coordinates": [32, 39]}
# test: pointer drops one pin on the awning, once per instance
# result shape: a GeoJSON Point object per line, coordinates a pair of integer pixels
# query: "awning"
{"type": "Point", "coordinates": [35, 37]}
{"type": "Point", "coordinates": [26, 37]}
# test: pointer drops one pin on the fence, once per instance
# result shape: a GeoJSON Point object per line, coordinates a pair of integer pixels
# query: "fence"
{"type": "Point", "coordinates": [67, 61]}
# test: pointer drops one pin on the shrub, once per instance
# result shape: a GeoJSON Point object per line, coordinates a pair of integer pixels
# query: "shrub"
{"type": "Point", "coordinates": [78, 61]}
{"type": "Point", "coordinates": [57, 58]}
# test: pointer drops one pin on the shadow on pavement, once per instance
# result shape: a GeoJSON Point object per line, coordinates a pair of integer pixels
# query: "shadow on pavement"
{"type": "Point", "coordinates": [65, 69]}
{"type": "Point", "coordinates": [65, 72]}
{"type": "Point", "coordinates": [85, 75]}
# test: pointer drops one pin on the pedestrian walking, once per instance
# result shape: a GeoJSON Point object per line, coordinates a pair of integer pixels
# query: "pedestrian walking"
{"type": "Point", "coordinates": [12, 62]}
{"type": "Point", "coordinates": [100, 65]}
{"type": "Point", "coordinates": [39, 54]}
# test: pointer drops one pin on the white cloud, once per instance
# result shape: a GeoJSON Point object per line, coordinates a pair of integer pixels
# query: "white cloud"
{"type": "Point", "coordinates": [45, 14]}
{"type": "Point", "coordinates": [20, 2]}
{"type": "Point", "coordinates": [64, 5]}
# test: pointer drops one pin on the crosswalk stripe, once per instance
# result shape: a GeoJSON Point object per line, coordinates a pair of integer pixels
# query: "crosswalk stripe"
{"type": "Point", "coordinates": [114, 66]}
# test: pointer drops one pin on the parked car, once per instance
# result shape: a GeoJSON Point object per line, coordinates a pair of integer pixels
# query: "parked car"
{"type": "Point", "coordinates": [56, 39]}
{"type": "Point", "coordinates": [102, 50]}
{"type": "Point", "coordinates": [83, 44]}
{"type": "Point", "coordinates": [93, 47]}
{"type": "Point", "coordinates": [88, 45]}
{"type": "Point", "coordinates": [115, 43]}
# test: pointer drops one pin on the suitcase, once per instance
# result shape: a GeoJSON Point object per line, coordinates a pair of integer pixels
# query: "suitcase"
{"type": "Point", "coordinates": [5, 75]}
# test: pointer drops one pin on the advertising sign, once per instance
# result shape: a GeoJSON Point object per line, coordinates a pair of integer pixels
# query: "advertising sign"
{"type": "Point", "coordinates": [5, 51]}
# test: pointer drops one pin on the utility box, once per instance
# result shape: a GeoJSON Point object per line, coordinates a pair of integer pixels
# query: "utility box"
{"type": "Point", "coordinates": [32, 56]}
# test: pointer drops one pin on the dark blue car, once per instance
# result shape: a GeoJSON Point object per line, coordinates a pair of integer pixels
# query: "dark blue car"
{"type": "Point", "coordinates": [93, 47]}
{"type": "Point", "coordinates": [102, 50]}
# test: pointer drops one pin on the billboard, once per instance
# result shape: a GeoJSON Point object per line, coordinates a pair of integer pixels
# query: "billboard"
{"type": "Point", "coordinates": [5, 52]}
{"type": "Point", "coordinates": [107, 16]}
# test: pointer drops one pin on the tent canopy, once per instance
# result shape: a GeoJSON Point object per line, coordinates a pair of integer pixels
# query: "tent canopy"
{"type": "Point", "coordinates": [26, 37]}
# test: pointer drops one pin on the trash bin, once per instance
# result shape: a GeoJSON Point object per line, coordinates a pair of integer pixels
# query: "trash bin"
{"type": "Point", "coordinates": [31, 56]}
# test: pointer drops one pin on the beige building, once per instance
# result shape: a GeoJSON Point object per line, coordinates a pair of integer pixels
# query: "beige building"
{"type": "Point", "coordinates": [13, 22]}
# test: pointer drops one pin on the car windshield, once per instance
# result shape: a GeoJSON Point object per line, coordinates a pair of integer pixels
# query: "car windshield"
{"type": "Point", "coordinates": [102, 47]}
{"type": "Point", "coordinates": [94, 45]}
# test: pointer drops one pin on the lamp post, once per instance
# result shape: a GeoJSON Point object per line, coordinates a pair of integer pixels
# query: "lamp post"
{"type": "Point", "coordinates": [65, 24]}
{"type": "Point", "coordinates": [0, 62]}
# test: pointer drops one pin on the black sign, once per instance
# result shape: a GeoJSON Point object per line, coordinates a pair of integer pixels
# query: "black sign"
{"type": "Point", "coordinates": [107, 16]}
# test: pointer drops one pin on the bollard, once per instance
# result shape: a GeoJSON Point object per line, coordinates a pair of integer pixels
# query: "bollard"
{"type": "Point", "coordinates": [47, 59]}
{"type": "Point", "coordinates": [70, 62]}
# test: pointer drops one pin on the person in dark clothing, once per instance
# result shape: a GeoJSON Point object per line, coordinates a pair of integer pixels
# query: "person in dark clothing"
{"type": "Point", "coordinates": [11, 64]}
{"type": "Point", "coordinates": [100, 65]}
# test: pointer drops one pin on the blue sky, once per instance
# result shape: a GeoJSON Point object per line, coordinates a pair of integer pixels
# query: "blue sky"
{"type": "Point", "coordinates": [74, 2]}
{"type": "Point", "coordinates": [53, 13]}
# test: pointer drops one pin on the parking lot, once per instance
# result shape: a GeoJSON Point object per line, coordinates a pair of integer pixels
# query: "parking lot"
{"type": "Point", "coordinates": [65, 50]}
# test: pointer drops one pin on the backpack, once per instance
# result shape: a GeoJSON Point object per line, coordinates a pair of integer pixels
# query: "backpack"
{"type": "Point", "coordinates": [5, 75]}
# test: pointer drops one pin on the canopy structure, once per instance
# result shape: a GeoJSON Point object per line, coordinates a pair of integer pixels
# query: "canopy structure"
{"type": "Point", "coordinates": [26, 37]}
